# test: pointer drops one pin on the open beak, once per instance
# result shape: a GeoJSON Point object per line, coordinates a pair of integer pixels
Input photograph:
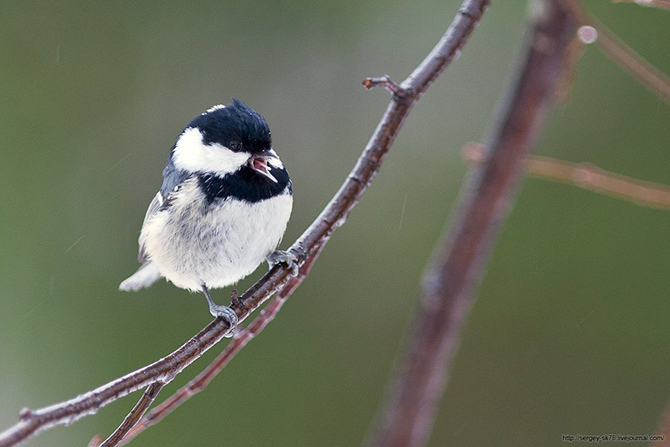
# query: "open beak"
{"type": "Point", "coordinates": [259, 163]}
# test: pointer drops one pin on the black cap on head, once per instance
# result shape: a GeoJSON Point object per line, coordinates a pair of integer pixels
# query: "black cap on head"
{"type": "Point", "coordinates": [235, 126]}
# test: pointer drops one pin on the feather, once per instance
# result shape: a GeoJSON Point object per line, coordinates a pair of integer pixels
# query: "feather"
{"type": "Point", "coordinates": [144, 277]}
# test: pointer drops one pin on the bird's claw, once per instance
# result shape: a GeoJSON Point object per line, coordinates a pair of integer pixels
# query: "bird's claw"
{"type": "Point", "coordinates": [284, 257]}
{"type": "Point", "coordinates": [228, 315]}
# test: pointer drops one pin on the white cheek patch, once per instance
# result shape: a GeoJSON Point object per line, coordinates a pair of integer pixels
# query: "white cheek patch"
{"type": "Point", "coordinates": [190, 154]}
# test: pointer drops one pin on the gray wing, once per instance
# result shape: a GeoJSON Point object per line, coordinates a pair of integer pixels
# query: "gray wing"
{"type": "Point", "coordinates": [172, 179]}
{"type": "Point", "coordinates": [154, 206]}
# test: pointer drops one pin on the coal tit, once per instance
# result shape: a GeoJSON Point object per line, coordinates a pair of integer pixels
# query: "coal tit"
{"type": "Point", "coordinates": [223, 207]}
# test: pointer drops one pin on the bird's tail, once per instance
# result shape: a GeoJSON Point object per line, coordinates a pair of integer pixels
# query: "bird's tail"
{"type": "Point", "coordinates": [144, 277]}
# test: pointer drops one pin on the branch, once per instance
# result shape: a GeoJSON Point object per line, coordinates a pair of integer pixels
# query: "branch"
{"type": "Point", "coordinates": [663, 4]}
{"type": "Point", "coordinates": [648, 75]}
{"type": "Point", "coordinates": [587, 176]}
{"type": "Point", "coordinates": [386, 83]}
{"type": "Point", "coordinates": [213, 369]}
{"type": "Point", "coordinates": [585, 35]}
{"type": "Point", "coordinates": [314, 238]}
{"type": "Point", "coordinates": [135, 414]}
{"type": "Point", "coordinates": [450, 283]}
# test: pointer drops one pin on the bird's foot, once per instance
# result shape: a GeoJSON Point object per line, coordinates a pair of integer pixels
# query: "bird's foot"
{"type": "Point", "coordinates": [228, 315]}
{"type": "Point", "coordinates": [284, 257]}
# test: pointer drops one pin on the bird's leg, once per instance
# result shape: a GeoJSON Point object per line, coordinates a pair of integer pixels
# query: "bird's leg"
{"type": "Point", "coordinates": [284, 257]}
{"type": "Point", "coordinates": [225, 312]}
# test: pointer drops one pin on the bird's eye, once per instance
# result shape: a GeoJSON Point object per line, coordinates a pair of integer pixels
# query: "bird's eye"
{"type": "Point", "coordinates": [235, 146]}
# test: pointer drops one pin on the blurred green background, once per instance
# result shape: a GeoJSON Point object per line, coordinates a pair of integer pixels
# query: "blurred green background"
{"type": "Point", "coordinates": [570, 331]}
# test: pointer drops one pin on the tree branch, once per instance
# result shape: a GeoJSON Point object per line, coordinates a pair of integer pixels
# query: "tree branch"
{"type": "Point", "coordinates": [135, 414]}
{"type": "Point", "coordinates": [385, 82]}
{"type": "Point", "coordinates": [585, 35]}
{"type": "Point", "coordinates": [648, 75]}
{"type": "Point", "coordinates": [663, 4]}
{"type": "Point", "coordinates": [213, 369]}
{"type": "Point", "coordinates": [587, 176]}
{"type": "Point", "coordinates": [315, 237]}
{"type": "Point", "coordinates": [450, 283]}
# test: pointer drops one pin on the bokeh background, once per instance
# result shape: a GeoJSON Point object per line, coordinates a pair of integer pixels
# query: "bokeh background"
{"type": "Point", "coordinates": [570, 331]}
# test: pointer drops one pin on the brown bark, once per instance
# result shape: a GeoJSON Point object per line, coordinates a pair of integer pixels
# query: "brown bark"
{"type": "Point", "coordinates": [449, 287]}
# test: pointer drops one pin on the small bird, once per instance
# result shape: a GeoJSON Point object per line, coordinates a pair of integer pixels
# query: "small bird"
{"type": "Point", "coordinates": [222, 209]}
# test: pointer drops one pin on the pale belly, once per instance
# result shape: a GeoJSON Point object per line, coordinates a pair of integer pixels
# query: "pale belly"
{"type": "Point", "coordinates": [217, 246]}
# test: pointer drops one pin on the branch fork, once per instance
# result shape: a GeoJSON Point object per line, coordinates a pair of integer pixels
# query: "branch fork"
{"type": "Point", "coordinates": [385, 82]}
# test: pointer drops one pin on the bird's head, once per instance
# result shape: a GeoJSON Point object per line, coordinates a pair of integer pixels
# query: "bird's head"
{"type": "Point", "coordinates": [224, 139]}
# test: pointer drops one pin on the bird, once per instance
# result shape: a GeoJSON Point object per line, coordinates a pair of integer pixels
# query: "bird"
{"type": "Point", "coordinates": [222, 209]}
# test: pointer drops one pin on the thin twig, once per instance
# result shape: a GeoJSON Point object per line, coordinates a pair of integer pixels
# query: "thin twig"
{"type": "Point", "coordinates": [648, 75]}
{"type": "Point", "coordinates": [213, 369]}
{"type": "Point", "coordinates": [662, 4]}
{"type": "Point", "coordinates": [568, 73]}
{"type": "Point", "coordinates": [135, 414]}
{"type": "Point", "coordinates": [385, 82]}
{"type": "Point", "coordinates": [449, 285]}
{"type": "Point", "coordinates": [315, 237]}
{"type": "Point", "coordinates": [587, 176]}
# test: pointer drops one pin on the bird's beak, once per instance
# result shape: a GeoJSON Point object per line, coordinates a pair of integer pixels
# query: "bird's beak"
{"type": "Point", "coordinates": [259, 163]}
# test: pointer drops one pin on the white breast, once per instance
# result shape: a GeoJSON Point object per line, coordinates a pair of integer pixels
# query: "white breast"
{"type": "Point", "coordinates": [194, 244]}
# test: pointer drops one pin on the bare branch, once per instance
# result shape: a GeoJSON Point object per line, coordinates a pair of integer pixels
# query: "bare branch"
{"type": "Point", "coordinates": [568, 73]}
{"type": "Point", "coordinates": [315, 237]}
{"type": "Point", "coordinates": [386, 83]}
{"type": "Point", "coordinates": [585, 175]}
{"type": "Point", "coordinates": [213, 369]}
{"type": "Point", "coordinates": [135, 414]}
{"type": "Point", "coordinates": [662, 4]}
{"type": "Point", "coordinates": [449, 285]}
{"type": "Point", "coordinates": [648, 75]}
